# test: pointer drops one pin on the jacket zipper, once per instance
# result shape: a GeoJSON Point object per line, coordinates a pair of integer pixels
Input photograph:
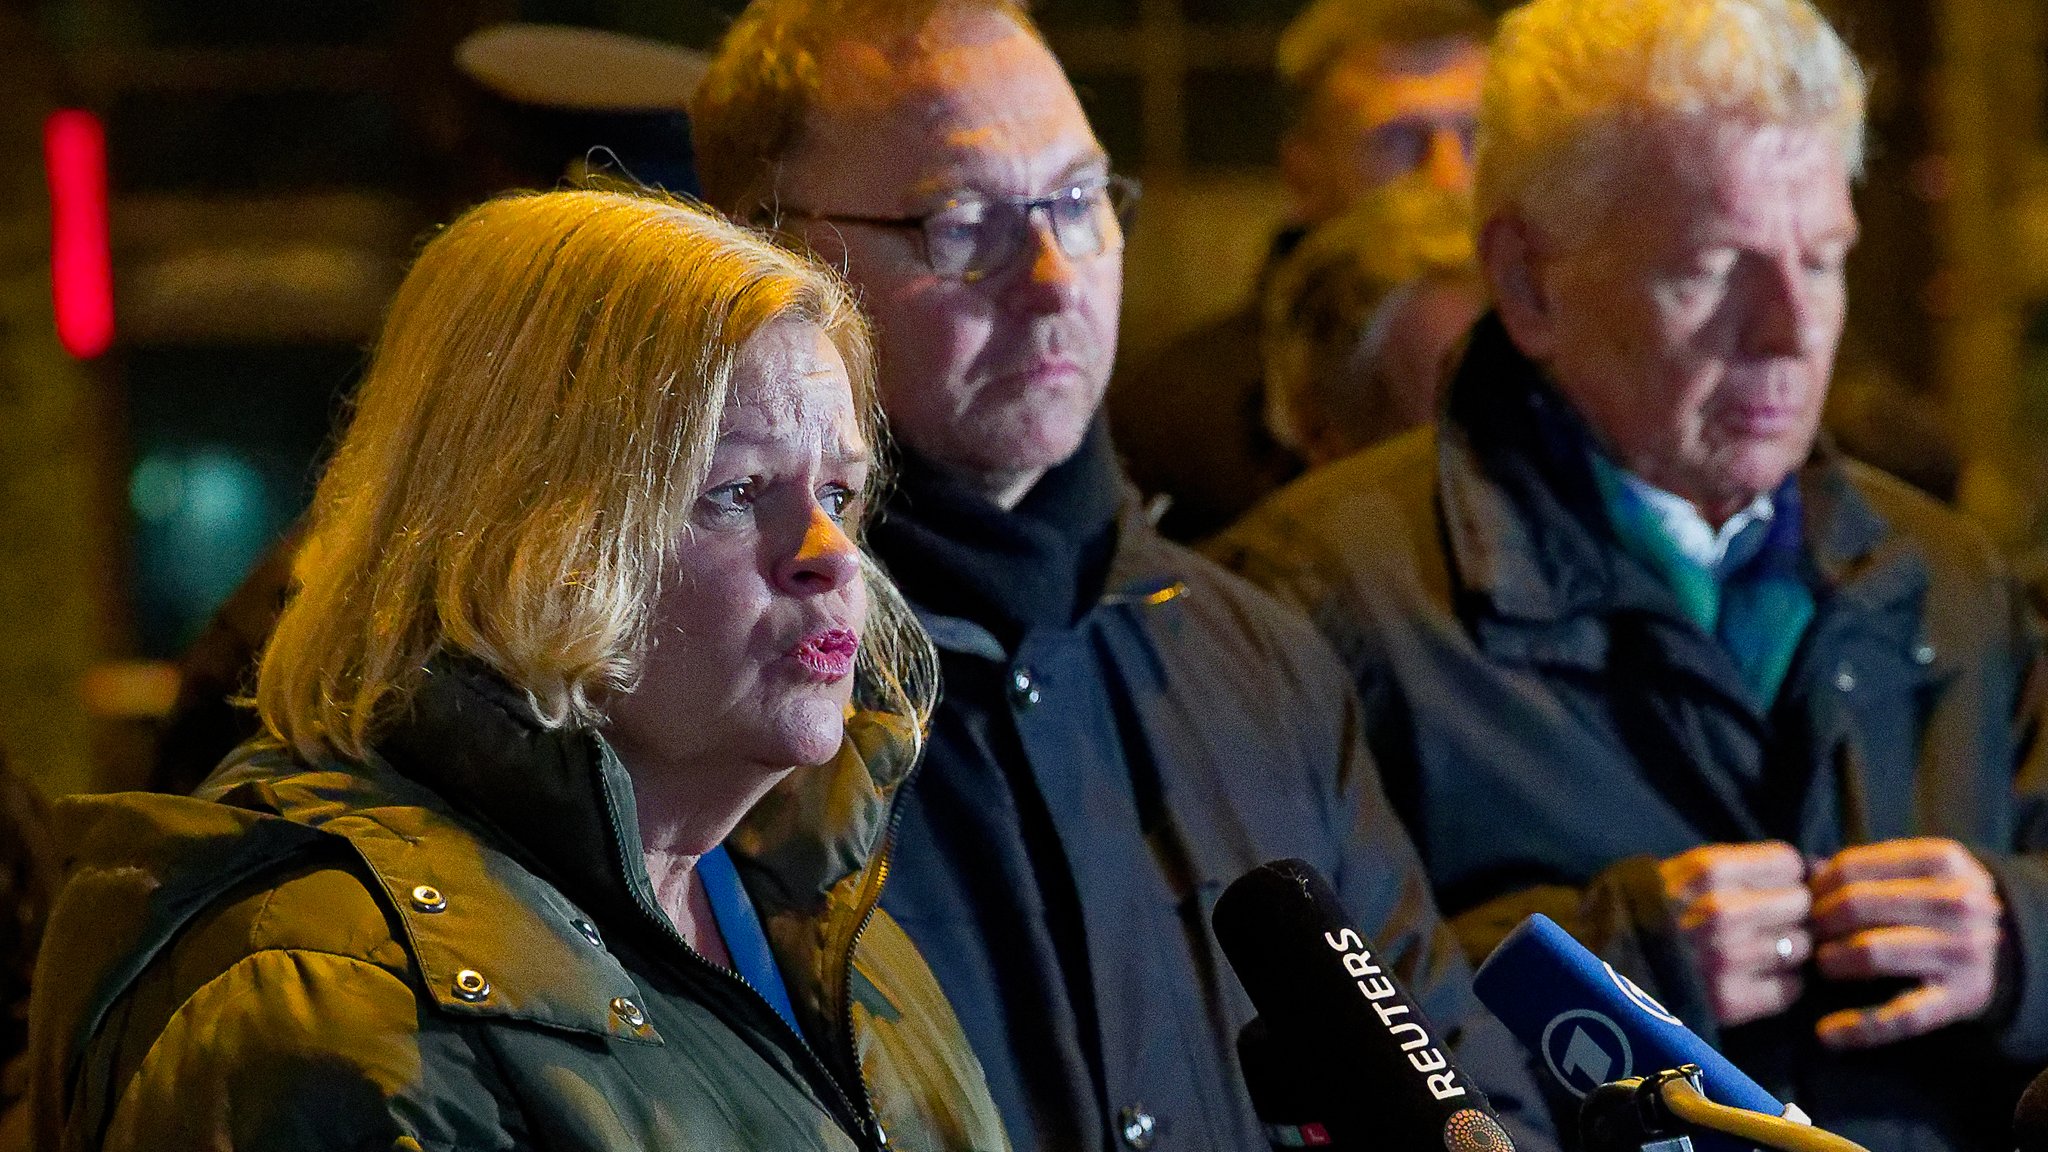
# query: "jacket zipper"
{"type": "Point", "coordinates": [870, 899]}
{"type": "Point", "coordinates": [864, 1123]}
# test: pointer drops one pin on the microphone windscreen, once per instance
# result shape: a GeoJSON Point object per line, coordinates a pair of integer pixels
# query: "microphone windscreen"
{"type": "Point", "coordinates": [1589, 1025]}
{"type": "Point", "coordinates": [1374, 1065]}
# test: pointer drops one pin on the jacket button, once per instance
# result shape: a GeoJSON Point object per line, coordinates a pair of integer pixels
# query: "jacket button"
{"type": "Point", "coordinates": [1845, 679]}
{"type": "Point", "coordinates": [428, 898]}
{"type": "Point", "coordinates": [1923, 654]}
{"type": "Point", "coordinates": [1136, 1126]}
{"type": "Point", "coordinates": [470, 985]}
{"type": "Point", "coordinates": [628, 1011]}
{"type": "Point", "coordinates": [589, 932]}
{"type": "Point", "coordinates": [1024, 691]}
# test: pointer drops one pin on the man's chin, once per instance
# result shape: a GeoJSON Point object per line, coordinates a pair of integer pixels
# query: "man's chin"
{"type": "Point", "coordinates": [1766, 467]}
{"type": "Point", "coordinates": [1035, 446]}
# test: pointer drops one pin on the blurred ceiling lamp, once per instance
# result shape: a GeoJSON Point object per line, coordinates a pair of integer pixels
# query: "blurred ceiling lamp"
{"type": "Point", "coordinates": [81, 249]}
{"type": "Point", "coordinates": [581, 69]}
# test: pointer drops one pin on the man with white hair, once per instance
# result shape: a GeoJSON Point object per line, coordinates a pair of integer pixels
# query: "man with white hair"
{"type": "Point", "coordinates": [1639, 650]}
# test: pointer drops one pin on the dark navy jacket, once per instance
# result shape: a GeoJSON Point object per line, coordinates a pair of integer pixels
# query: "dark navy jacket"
{"type": "Point", "coordinates": [1550, 725]}
{"type": "Point", "coordinates": [1088, 793]}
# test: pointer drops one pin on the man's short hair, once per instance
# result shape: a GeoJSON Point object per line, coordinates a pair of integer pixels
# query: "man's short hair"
{"type": "Point", "coordinates": [1568, 77]}
{"type": "Point", "coordinates": [750, 107]}
{"type": "Point", "coordinates": [1328, 30]}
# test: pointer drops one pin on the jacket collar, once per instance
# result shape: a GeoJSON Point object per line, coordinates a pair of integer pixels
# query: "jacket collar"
{"type": "Point", "coordinates": [1524, 526]}
{"type": "Point", "coordinates": [557, 796]}
{"type": "Point", "coordinates": [470, 777]}
{"type": "Point", "coordinates": [563, 798]}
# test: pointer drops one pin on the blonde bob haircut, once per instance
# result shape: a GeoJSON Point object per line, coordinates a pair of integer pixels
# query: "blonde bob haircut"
{"type": "Point", "coordinates": [768, 75]}
{"type": "Point", "coordinates": [522, 455]}
{"type": "Point", "coordinates": [1570, 79]}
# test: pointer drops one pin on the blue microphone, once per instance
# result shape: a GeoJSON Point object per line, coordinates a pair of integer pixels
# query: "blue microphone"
{"type": "Point", "coordinates": [1591, 1025]}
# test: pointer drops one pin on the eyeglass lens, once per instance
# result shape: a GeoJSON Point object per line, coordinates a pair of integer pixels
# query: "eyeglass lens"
{"type": "Point", "coordinates": [975, 239]}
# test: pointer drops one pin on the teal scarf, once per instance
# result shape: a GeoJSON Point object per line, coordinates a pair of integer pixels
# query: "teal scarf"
{"type": "Point", "coordinates": [1756, 601]}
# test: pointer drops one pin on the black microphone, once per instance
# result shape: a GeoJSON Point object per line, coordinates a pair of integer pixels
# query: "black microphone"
{"type": "Point", "coordinates": [2030, 1119]}
{"type": "Point", "coordinates": [1370, 1062]}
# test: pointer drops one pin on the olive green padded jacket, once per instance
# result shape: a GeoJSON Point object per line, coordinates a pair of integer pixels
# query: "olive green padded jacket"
{"type": "Point", "coordinates": [455, 946]}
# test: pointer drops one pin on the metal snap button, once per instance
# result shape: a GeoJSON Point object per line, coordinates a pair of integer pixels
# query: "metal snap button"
{"type": "Point", "coordinates": [470, 985]}
{"type": "Point", "coordinates": [1923, 654]}
{"type": "Point", "coordinates": [1024, 691]}
{"type": "Point", "coordinates": [1845, 679]}
{"type": "Point", "coordinates": [1136, 1126]}
{"type": "Point", "coordinates": [589, 932]}
{"type": "Point", "coordinates": [428, 898]}
{"type": "Point", "coordinates": [628, 1011]}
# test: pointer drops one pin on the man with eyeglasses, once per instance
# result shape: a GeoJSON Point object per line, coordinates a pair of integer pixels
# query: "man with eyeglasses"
{"type": "Point", "coordinates": [1124, 728]}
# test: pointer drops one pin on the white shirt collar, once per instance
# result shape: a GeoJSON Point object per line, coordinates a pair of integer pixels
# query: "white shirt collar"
{"type": "Point", "coordinates": [1689, 531]}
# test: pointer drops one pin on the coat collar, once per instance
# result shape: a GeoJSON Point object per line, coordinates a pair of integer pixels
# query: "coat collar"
{"type": "Point", "coordinates": [563, 798]}
{"type": "Point", "coordinates": [1524, 526]}
{"type": "Point", "coordinates": [470, 783]}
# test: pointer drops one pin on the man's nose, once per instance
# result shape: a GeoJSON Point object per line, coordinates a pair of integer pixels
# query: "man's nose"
{"type": "Point", "coordinates": [1447, 164]}
{"type": "Point", "coordinates": [1784, 320]}
{"type": "Point", "coordinates": [1051, 275]}
{"type": "Point", "coordinates": [825, 560]}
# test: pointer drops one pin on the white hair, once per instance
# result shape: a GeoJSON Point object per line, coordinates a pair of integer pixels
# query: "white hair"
{"type": "Point", "coordinates": [1569, 78]}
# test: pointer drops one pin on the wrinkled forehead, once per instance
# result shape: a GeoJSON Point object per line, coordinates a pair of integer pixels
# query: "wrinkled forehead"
{"type": "Point", "coordinates": [973, 95]}
{"type": "Point", "coordinates": [1740, 168]}
{"type": "Point", "coordinates": [792, 390]}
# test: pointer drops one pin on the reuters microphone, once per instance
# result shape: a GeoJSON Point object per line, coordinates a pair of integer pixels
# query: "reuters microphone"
{"type": "Point", "coordinates": [1373, 1072]}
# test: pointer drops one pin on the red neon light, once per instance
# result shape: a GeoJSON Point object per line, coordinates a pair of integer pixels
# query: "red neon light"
{"type": "Point", "coordinates": [81, 250]}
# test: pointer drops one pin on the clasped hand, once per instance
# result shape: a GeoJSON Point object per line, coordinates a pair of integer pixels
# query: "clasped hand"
{"type": "Point", "coordinates": [1925, 909]}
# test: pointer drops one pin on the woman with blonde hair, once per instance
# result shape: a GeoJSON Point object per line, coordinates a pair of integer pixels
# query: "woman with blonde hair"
{"type": "Point", "coordinates": [584, 734]}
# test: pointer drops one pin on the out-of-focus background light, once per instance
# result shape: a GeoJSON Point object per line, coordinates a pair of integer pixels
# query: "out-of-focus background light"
{"type": "Point", "coordinates": [81, 249]}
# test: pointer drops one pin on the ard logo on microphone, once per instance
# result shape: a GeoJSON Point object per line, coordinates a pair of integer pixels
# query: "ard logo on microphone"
{"type": "Point", "coordinates": [1585, 1049]}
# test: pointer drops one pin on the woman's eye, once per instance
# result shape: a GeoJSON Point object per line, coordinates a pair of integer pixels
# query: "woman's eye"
{"type": "Point", "coordinates": [731, 499]}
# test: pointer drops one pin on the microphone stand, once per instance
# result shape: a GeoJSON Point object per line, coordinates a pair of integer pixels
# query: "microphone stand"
{"type": "Point", "coordinates": [1654, 1114]}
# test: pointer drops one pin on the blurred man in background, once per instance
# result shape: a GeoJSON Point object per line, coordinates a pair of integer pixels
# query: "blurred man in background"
{"type": "Point", "coordinates": [1381, 91]}
{"type": "Point", "coordinates": [1759, 724]}
{"type": "Point", "coordinates": [1125, 728]}
{"type": "Point", "coordinates": [1361, 320]}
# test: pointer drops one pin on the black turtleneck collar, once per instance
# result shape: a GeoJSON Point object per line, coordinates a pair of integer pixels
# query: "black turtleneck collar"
{"type": "Point", "coordinates": [1042, 564]}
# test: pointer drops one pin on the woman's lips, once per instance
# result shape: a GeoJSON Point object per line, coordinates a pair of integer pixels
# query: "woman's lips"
{"type": "Point", "coordinates": [827, 656]}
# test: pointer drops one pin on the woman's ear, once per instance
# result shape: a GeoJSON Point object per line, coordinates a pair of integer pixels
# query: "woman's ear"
{"type": "Point", "coordinates": [1509, 251]}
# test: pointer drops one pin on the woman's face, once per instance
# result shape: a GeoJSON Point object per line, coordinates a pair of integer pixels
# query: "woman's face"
{"type": "Point", "coordinates": [762, 604]}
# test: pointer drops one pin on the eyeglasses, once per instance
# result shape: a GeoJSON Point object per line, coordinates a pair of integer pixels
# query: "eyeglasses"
{"type": "Point", "coordinates": [969, 239]}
